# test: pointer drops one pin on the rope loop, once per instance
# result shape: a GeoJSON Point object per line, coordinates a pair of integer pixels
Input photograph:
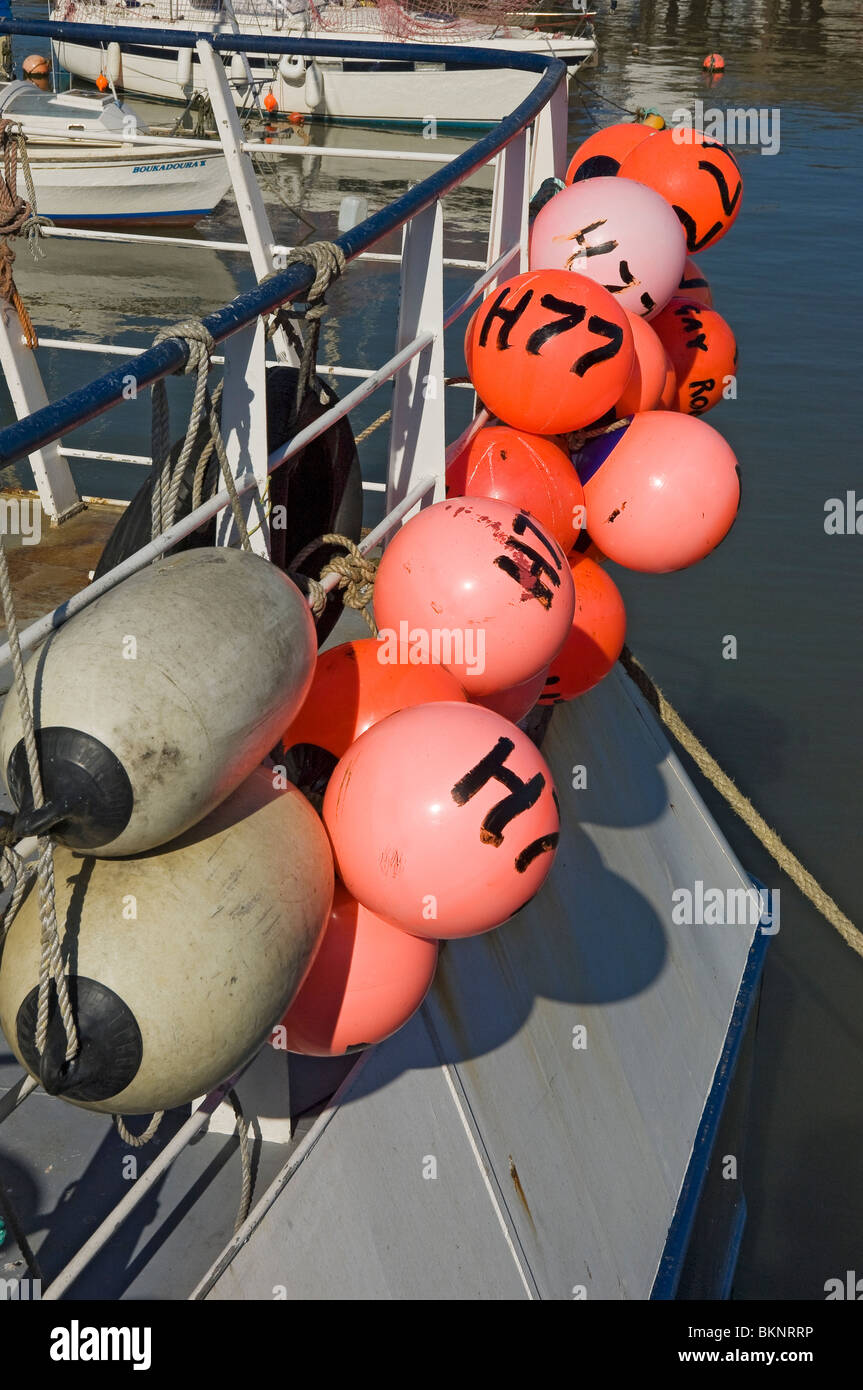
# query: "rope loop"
{"type": "Point", "coordinates": [15, 215]}
{"type": "Point", "coordinates": [137, 1141]}
{"type": "Point", "coordinates": [356, 577]}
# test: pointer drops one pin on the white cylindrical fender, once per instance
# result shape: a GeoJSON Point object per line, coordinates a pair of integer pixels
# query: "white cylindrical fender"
{"type": "Point", "coordinates": [113, 63]}
{"type": "Point", "coordinates": [238, 69]}
{"type": "Point", "coordinates": [179, 963]}
{"type": "Point", "coordinates": [153, 704]}
{"type": "Point", "coordinates": [184, 67]}
{"type": "Point", "coordinates": [314, 88]}
{"type": "Point", "coordinates": [292, 67]}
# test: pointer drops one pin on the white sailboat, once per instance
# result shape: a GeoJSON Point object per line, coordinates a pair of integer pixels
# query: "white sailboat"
{"type": "Point", "coordinates": [88, 172]}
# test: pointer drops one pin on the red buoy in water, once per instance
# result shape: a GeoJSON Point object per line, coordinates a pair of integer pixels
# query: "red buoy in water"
{"type": "Point", "coordinates": [549, 351]}
{"type": "Point", "coordinates": [527, 470]}
{"type": "Point", "coordinates": [714, 62]}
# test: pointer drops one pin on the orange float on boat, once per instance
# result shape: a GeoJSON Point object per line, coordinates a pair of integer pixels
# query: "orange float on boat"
{"type": "Point", "coordinates": [699, 177]}
{"type": "Point", "coordinates": [661, 492]}
{"type": "Point", "coordinates": [595, 639]}
{"type": "Point", "coordinates": [649, 370]}
{"type": "Point", "coordinates": [355, 685]}
{"type": "Point", "coordinates": [366, 981]}
{"type": "Point", "coordinates": [102, 82]}
{"type": "Point", "coordinates": [703, 351]}
{"type": "Point", "coordinates": [603, 152]}
{"type": "Point", "coordinates": [518, 700]}
{"type": "Point", "coordinates": [549, 351]}
{"type": "Point", "coordinates": [270, 103]}
{"type": "Point", "coordinates": [482, 585]}
{"type": "Point", "coordinates": [668, 398]}
{"type": "Point", "coordinates": [526, 470]}
{"type": "Point", "coordinates": [443, 819]}
{"type": "Point", "coordinates": [693, 285]}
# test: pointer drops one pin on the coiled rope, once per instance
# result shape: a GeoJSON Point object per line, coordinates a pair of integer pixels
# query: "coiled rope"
{"type": "Point", "coordinates": [356, 578]}
{"type": "Point", "coordinates": [742, 806]}
{"type": "Point", "coordinates": [16, 216]}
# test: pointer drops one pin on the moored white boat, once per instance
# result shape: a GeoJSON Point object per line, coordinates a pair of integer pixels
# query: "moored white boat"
{"type": "Point", "coordinates": [86, 171]}
{"type": "Point", "coordinates": [339, 88]}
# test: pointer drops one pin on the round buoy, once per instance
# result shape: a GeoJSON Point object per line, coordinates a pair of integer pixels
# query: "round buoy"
{"type": "Point", "coordinates": [366, 981]}
{"type": "Point", "coordinates": [179, 962]}
{"type": "Point", "coordinates": [668, 398]}
{"type": "Point", "coordinates": [443, 819]}
{"type": "Point", "coordinates": [697, 176]}
{"type": "Point", "coordinates": [649, 370]}
{"type": "Point", "coordinates": [515, 702]}
{"type": "Point", "coordinates": [35, 65]}
{"type": "Point", "coordinates": [601, 154]}
{"type": "Point", "coordinates": [714, 62]}
{"type": "Point", "coordinates": [156, 701]}
{"type": "Point", "coordinates": [616, 232]}
{"type": "Point", "coordinates": [270, 103]}
{"type": "Point", "coordinates": [355, 685]}
{"type": "Point", "coordinates": [526, 470]}
{"type": "Point", "coordinates": [296, 118]}
{"type": "Point", "coordinates": [549, 351]}
{"type": "Point", "coordinates": [654, 119]}
{"type": "Point", "coordinates": [693, 285]}
{"type": "Point", "coordinates": [703, 351]}
{"type": "Point", "coordinates": [102, 82]}
{"type": "Point", "coordinates": [482, 585]}
{"type": "Point", "coordinates": [661, 492]}
{"type": "Point", "coordinates": [595, 639]}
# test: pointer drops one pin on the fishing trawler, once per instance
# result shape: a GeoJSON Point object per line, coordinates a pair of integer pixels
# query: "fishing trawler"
{"type": "Point", "coordinates": [341, 83]}
{"type": "Point", "coordinates": [545, 1124]}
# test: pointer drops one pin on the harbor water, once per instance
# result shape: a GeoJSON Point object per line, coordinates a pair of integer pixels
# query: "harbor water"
{"type": "Point", "coordinates": [777, 705]}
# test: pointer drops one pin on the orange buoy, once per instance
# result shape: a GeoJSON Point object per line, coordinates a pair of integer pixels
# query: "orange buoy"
{"type": "Point", "coordinates": [661, 492]}
{"type": "Point", "coordinates": [527, 470]}
{"type": "Point", "coordinates": [595, 639]}
{"type": "Point", "coordinates": [703, 351]}
{"type": "Point", "coordinates": [714, 62]}
{"type": "Point", "coordinates": [101, 82]}
{"type": "Point", "coordinates": [699, 177]}
{"type": "Point", "coordinates": [694, 286]}
{"type": "Point", "coordinates": [366, 981]}
{"type": "Point", "coordinates": [516, 702]}
{"type": "Point", "coordinates": [649, 371]}
{"type": "Point", "coordinates": [482, 586]}
{"type": "Point", "coordinates": [270, 103]}
{"type": "Point", "coordinates": [296, 118]}
{"type": "Point", "coordinates": [654, 120]}
{"type": "Point", "coordinates": [603, 152]}
{"type": "Point", "coordinates": [668, 398]}
{"type": "Point", "coordinates": [355, 685]}
{"type": "Point", "coordinates": [549, 351]}
{"type": "Point", "coordinates": [443, 819]}
{"type": "Point", "coordinates": [35, 65]}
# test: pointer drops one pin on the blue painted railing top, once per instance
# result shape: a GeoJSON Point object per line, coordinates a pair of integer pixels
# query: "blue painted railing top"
{"type": "Point", "coordinates": [19, 440]}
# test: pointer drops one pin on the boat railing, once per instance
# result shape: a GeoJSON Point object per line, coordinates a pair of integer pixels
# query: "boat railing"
{"type": "Point", "coordinates": [526, 147]}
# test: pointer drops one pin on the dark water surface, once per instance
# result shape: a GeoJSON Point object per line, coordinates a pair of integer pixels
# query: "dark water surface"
{"type": "Point", "coordinates": [783, 718]}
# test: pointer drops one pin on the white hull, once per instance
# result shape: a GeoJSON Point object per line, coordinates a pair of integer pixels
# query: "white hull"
{"type": "Point", "coordinates": [357, 92]}
{"type": "Point", "coordinates": [98, 187]}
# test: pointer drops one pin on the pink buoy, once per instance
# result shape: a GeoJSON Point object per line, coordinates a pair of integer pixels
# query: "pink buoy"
{"type": "Point", "coordinates": [616, 232]}
{"type": "Point", "coordinates": [477, 586]}
{"type": "Point", "coordinates": [443, 819]}
{"type": "Point", "coordinates": [366, 981]}
{"type": "Point", "coordinates": [661, 492]}
{"type": "Point", "coordinates": [519, 700]}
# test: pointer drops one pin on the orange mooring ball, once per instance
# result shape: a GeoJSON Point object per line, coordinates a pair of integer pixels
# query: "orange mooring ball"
{"type": "Point", "coordinates": [526, 470]}
{"type": "Point", "coordinates": [703, 352]}
{"type": "Point", "coordinates": [661, 492]}
{"type": "Point", "coordinates": [649, 371]}
{"type": "Point", "coordinates": [549, 351]}
{"type": "Point", "coordinates": [102, 82]}
{"type": "Point", "coordinates": [515, 702]}
{"type": "Point", "coordinates": [270, 103]}
{"type": "Point", "coordinates": [699, 177]}
{"type": "Point", "coordinates": [714, 62]}
{"type": "Point", "coordinates": [483, 585]}
{"type": "Point", "coordinates": [602, 153]}
{"type": "Point", "coordinates": [356, 685]}
{"type": "Point", "coordinates": [443, 819]}
{"type": "Point", "coordinates": [366, 980]}
{"type": "Point", "coordinates": [693, 285]}
{"type": "Point", "coordinates": [595, 639]}
{"type": "Point", "coordinates": [668, 398]}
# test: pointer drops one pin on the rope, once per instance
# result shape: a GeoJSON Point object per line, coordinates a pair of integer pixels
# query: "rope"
{"type": "Point", "coordinates": [245, 1161]}
{"type": "Point", "coordinates": [327, 259]}
{"type": "Point", "coordinates": [34, 224]}
{"type": "Point", "coordinates": [356, 578]}
{"type": "Point", "coordinates": [15, 215]}
{"type": "Point", "coordinates": [576, 439]}
{"type": "Point", "coordinates": [375, 425]}
{"type": "Point", "coordinates": [14, 874]}
{"type": "Point", "coordinates": [51, 959]}
{"type": "Point", "coordinates": [167, 481]}
{"type": "Point", "coordinates": [137, 1141]}
{"type": "Point", "coordinates": [742, 806]}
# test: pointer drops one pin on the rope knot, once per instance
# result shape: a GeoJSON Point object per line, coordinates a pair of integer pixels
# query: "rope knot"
{"type": "Point", "coordinates": [197, 338]}
{"type": "Point", "coordinates": [356, 577]}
